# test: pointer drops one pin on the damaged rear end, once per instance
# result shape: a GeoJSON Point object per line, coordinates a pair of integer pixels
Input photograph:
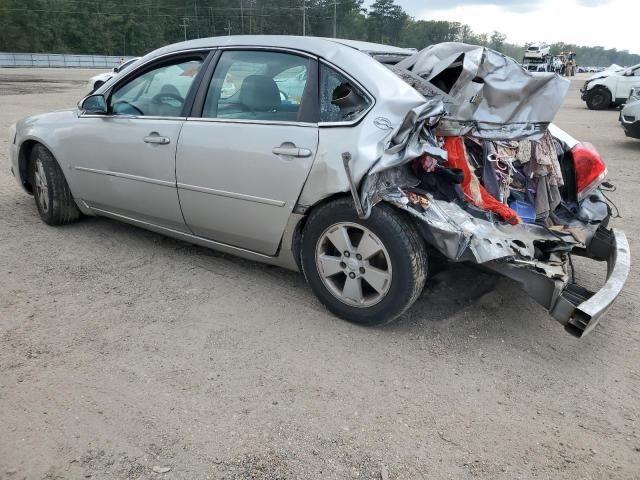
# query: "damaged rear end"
{"type": "Point", "coordinates": [489, 180]}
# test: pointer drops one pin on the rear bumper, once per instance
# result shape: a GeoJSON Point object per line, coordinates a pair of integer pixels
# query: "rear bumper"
{"type": "Point", "coordinates": [574, 306]}
{"type": "Point", "coordinates": [580, 310]}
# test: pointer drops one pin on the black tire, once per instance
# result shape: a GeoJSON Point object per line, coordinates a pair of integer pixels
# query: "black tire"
{"type": "Point", "coordinates": [406, 250]}
{"type": "Point", "coordinates": [598, 98]}
{"type": "Point", "coordinates": [97, 85]}
{"type": "Point", "coordinates": [55, 203]}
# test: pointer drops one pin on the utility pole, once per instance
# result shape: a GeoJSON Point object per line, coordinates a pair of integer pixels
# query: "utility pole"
{"type": "Point", "coordinates": [304, 18]}
{"type": "Point", "coordinates": [195, 7]}
{"type": "Point", "coordinates": [184, 25]}
{"type": "Point", "coordinates": [228, 29]}
{"type": "Point", "coordinates": [212, 20]}
{"type": "Point", "coordinates": [335, 18]}
{"type": "Point", "coordinates": [241, 18]}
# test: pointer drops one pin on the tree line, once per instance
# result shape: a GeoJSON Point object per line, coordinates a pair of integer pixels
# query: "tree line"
{"type": "Point", "coordinates": [126, 27]}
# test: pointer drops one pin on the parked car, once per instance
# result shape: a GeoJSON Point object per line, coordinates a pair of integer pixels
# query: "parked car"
{"type": "Point", "coordinates": [630, 118]}
{"type": "Point", "coordinates": [609, 88]}
{"type": "Point", "coordinates": [170, 146]}
{"type": "Point", "coordinates": [97, 81]}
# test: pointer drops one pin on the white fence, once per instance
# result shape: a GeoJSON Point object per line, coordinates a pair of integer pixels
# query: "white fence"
{"type": "Point", "coordinates": [57, 60]}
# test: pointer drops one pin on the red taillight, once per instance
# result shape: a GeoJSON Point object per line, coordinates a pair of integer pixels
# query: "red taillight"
{"type": "Point", "coordinates": [590, 168]}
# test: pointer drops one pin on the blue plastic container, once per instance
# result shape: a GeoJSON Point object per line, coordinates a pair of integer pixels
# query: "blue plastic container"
{"type": "Point", "coordinates": [525, 211]}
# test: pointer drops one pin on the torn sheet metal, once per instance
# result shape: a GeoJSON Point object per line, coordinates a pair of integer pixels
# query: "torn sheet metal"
{"type": "Point", "coordinates": [412, 137]}
{"type": "Point", "coordinates": [488, 95]}
{"type": "Point", "coordinates": [462, 237]}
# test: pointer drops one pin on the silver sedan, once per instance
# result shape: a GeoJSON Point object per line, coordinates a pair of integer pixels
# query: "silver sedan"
{"type": "Point", "coordinates": [259, 147]}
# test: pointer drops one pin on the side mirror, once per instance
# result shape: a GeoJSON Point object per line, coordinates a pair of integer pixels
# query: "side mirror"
{"type": "Point", "coordinates": [95, 104]}
{"type": "Point", "coordinates": [115, 69]}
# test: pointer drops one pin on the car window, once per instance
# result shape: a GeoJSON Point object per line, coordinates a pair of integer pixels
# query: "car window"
{"type": "Point", "coordinates": [160, 92]}
{"type": "Point", "coordinates": [257, 85]}
{"type": "Point", "coordinates": [340, 99]}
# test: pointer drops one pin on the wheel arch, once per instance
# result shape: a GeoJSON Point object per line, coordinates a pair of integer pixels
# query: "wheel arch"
{"type": "Point", "coordinates": [296, 240]}
{"type": "Point", "coordinates": [604, 87]}
{"type": "Point", "coordinates": [296, 236]}
{"type": "Point", "coordinates": [24, 159]}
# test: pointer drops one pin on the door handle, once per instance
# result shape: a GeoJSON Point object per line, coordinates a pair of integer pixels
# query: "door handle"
{"type": "Point", "coordinates": [155, 138]}
{"type": "Point", "coordinates": [289, 149]}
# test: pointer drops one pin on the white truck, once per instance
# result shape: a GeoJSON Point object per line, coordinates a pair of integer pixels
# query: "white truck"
{"type": "Point", "coordinates": [610, 88]}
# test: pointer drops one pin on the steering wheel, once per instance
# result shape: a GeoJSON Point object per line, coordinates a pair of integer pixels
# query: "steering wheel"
{"type": "Point", "coordinates": [162, 97]}
{"type": "Point", "coordinates": [127, 105]}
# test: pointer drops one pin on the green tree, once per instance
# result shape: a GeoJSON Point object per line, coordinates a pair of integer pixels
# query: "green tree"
{"type": "Point", "coordinates": [497, 40]}
{"type": "Point", "coordinates": [386, 21]}
{"type": "Point", "coordinates": [124, 27]}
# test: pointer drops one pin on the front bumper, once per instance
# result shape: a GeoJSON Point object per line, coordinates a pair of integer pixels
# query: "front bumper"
{"type": "Point", "coordinates": [574, 306]}
{"type": "Point", "coordinates": [631, 128]}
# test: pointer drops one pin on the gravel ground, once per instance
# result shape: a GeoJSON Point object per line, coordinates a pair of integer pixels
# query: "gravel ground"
{"type": "Point", "coordinates": [123, 353]}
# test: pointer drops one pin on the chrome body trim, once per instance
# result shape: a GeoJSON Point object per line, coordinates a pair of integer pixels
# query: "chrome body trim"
{"type": "Point", "coordinates": [250, 122]}
{"type": "Point", "coordinates": [127, 117]}
{"type": "Point", "coordinates": [128, 176]}
{"type": "Point", "coordinates": [239, 196]}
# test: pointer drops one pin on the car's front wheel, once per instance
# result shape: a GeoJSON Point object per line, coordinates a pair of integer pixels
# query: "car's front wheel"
{"type": "Point", "coordinates": [365, 271]}
{"type": "Point", "coordinates": [54, 201]}
{"type": "Point", "coordinates": [598, 98]}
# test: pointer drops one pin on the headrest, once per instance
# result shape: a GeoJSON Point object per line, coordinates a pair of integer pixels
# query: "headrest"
{"type": "Point", "coordinates": [259, 93]}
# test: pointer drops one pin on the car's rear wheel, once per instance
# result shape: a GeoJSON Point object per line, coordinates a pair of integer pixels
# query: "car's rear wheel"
{"type": "Point", "coordinates": [365, 271]}
{"type": "Point", "coordinates": [54, 201]}
{"type": "Point", "coordinates": [598, 99]}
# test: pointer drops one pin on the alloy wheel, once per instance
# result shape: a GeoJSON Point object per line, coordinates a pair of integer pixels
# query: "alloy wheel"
{"type": "Point", "coordinates": [42, 188]}
{"type": "Point", "coordinates": [353, 264]}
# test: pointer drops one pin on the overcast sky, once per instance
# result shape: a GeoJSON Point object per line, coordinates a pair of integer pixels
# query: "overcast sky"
{"type": "Point", "coordinates": [608, 23]}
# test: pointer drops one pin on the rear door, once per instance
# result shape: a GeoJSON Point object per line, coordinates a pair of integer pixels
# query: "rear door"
{"type": "Point", "coordinates": [245, 153]}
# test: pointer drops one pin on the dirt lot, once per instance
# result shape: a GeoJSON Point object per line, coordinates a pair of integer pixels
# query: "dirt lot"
{"type": "Point", "coordinates": [121, 351]}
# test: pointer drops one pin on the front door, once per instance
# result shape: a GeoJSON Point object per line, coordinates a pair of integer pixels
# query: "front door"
{"type": "Point", "coordinates": [241, 165]}
{"type": "Point", "coordinates": [125, 160]}
{"type": "Point", "coordinates": [626, 82]}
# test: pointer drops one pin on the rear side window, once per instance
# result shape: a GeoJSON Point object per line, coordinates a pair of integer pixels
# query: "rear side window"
{"type": "Point", "coordinates": [340, 99]}
{"type": "Point", "coordinates": [258, 85]}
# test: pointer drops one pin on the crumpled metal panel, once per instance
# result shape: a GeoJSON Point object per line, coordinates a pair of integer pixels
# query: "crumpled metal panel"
{"type": "Point", "coordinates": [461, 237]}
{"type": "Point", "coordinates": [411, 138]}
{"type": "Point", "coordinates": [493, 96]}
